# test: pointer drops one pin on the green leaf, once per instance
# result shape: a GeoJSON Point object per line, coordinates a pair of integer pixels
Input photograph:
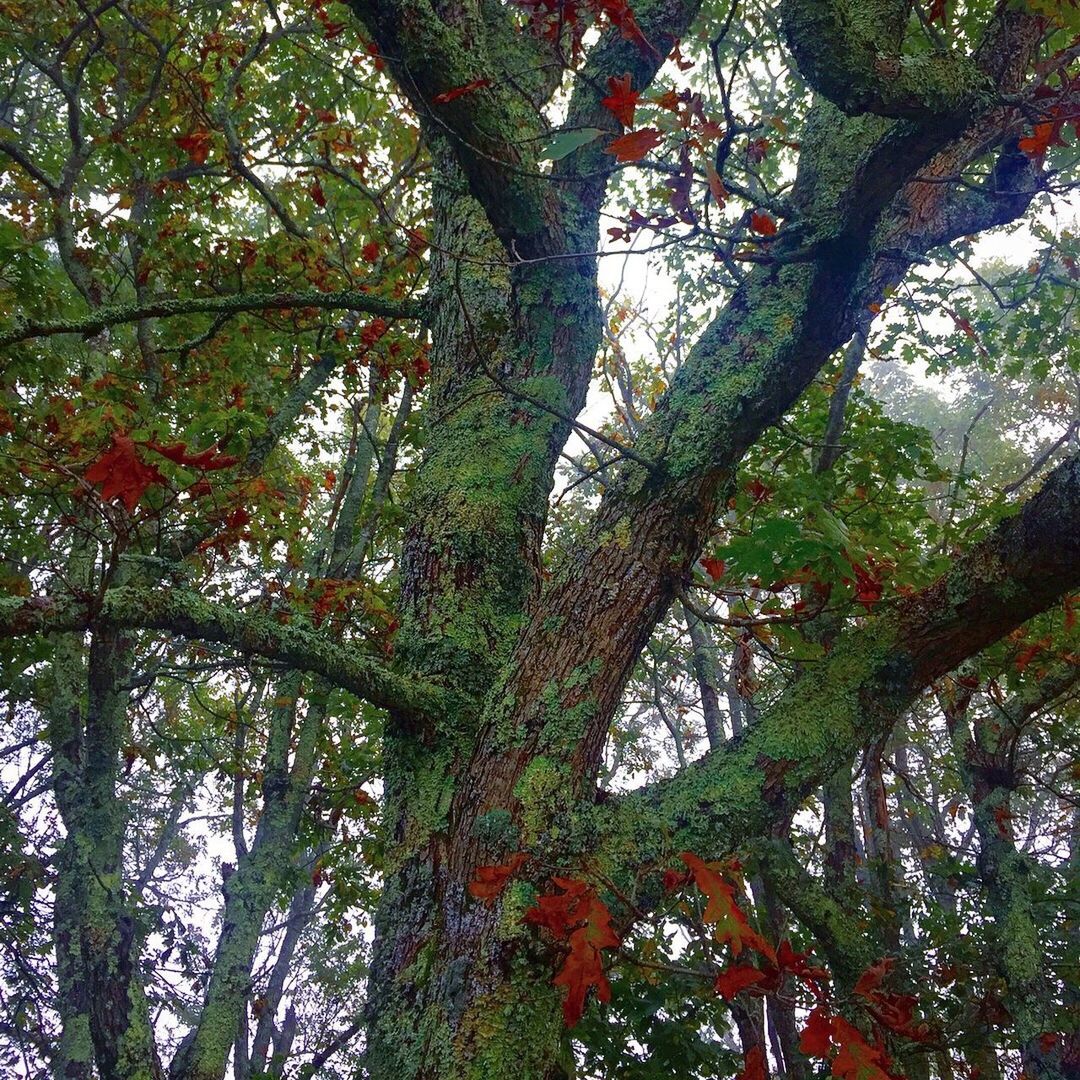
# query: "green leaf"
{"type": "Point", "coordinates": [566, 142]}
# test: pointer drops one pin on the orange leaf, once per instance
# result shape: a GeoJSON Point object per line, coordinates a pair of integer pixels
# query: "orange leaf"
{"type": "Point", "coordinates": [122, 474]}
{"type": "Point", "coordinates": [491, 880]}
{"type": "Point", "coordinates": [815, 1041]}
{"type": "Point", "coordinates": [460, 91]}
{"type": "Point", "coordinates": [857, 1060]}
{"type": "Point", "coordinates": [716, 185]}
{"type": "Point", "coordinates": [207, 460]}
{"type": "Point", "coordinates": [723, 912]}
{"type": "Point", "coordinates": [1038, 143]}
{"type": "Point", "coordinates": [763, 224]}
{"type": "Point", "coordinates": [621, 100]}
{"type": "Point", "coordinates": [753, 1065]}
{"type": "Point", "coordinates": [736, 978]}
{"type": "Point", "coordinates": [196, 144]}
{"type": "Point", "coordinates": [713, 567]}
{"type": "Point", "coordinates": [634, 145]}
{"type": "Point", "coordinates": [667, 100]}
{"type": "Point", "coordinates": [580, 917]}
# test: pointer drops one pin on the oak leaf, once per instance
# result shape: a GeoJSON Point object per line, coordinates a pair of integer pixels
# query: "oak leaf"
{"type": "Point", "coordinates": [816, 1039]}
{"type": "Point", "coordinates": [753, 1065]}
{"type": "Point", "coordinates": [206, 460]}
{"type": "Point", "coordinates": [460, 91]}
{"type": "Point", "coordinates": [736, 978]}
{"type": "Point", "coordinates": [857, 1059]}
{"type": "Point", "coordinates": [579, 917]}
{"type": "Point", "coordinates": [196, 144]}
{"type": "Point", "coordinates": [621, 100]}
{"type": "Point", "coordinates": [634, 145]}
{"type": "Point", "coordinates": [763, 224]}
{"type": "Point", "coordinates": [122, 474]}
{"type": "Point", "coordinates": [490, 881]}
{"type": "Point", "coordinates": [723, 912]}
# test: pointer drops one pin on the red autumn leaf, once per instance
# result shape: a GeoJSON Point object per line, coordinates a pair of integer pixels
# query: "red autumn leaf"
{"type": "Point", "coordinates": [370, 252]}
{"type": "Point", "coordinates": [1038, 143]}
{"type": "Point", "coordinates": [620, 15]}
{"type": "Point", "coordinates": [460, 91]}
{"type": "Point", "coordinates": [674, 880]}
{"type": "Point", "coordinates": [716, 185]}
{"type": "Point", "coordinates": [723, 912]}
{"type": "Point", "coordinates": [753, 1065]}
{"type": "Point", "coordinates": [758, 491]}
{"type": "Point", "coordinates": [787, 959]}
{"type": "Point", "coordinates": [491, 880]}
{"type": "Point", "coordinates": [763, 224]}
{"type": "Point", "coordinates": [891, 1010]}
{"type": "Point", "coordinates": [581, 918]}
{"type": "Point", "coordinates": [874, 976]}
{"type": "Point", "coordinates": [713, 567]}
{"type": "Point", "coordinates": [206, 460]}
{"type": "Point", "coordinates": [317, 194]}
{"type": "Point", "coordinates": [634, 145]}
{"type": "Point", "coordinates": [196, 144]}
{"type": "Point", "coordinates": [1027, 654]}
{"type": "Point", "coordinates": [857, 1059]}
{"type": "Point", "coordinates": [621, 100]}
{"type": "Point", "coordinates": [937, 11]}
{"type": "Point", "coordinates": [736, 978]}
{"type": "Point", "coordinates": [122, 474]}
{"type": "Point", "coordinates": [816, 1036]}
{"type": "Point", "coordinates": [868, 586]}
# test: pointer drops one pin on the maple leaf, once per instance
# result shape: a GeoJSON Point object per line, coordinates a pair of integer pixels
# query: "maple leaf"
{"type": "Point", "coordinates": [736, 978]}
{"type": "Point", "coordinates": [122, 474]}
{"type": "Point", "coordinates": [621, 100]}
{"type": "Point", "coordinates": [816, 1039]}
{"type": "Point", "coordinates": [370, 252]}
{"type": "Point", "coordinates": [753, 1065]}
{"type": "Point", "coordinates": [763, 224]}
{"type": "Point", "coordinates": [491, 880]}
{"type": "Point", "coordinates": [196, 144]}
{"type": "Point", "coordinates": [634, 145]}
{"type": "Point", "coordinates": [937, 11]}
{"type": "Point", "coordinates": [317, 193]}
{"type": "Point", "coordinates": [723, 912]}
{"type": "Point", "coordinates": [206, 460]}
{"type": "Point", "coordinates": [460, 91]}
{"type": "Point", "coordinates": [857, 1059]}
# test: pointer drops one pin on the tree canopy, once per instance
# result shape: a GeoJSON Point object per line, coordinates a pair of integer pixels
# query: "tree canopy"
{"type": "Point", "coordinates": [539, 539]}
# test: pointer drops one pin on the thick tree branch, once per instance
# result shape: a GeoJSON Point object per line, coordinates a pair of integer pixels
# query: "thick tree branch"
{"type": "Point", "coordinates": [870, 677]}
{"type": "Point", "coordinates": [102, 317]}
{"type": "Point", "coordinates": [851, 51]}
{"type": "Point", "coordinates": [184, 612]}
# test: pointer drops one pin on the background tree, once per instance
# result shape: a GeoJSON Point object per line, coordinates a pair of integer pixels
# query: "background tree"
{"type": "Point", "coordinates": [414, 632]}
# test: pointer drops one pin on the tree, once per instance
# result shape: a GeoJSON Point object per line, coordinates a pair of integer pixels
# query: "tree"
{"type": "Point", "coordinates": [306, 307]}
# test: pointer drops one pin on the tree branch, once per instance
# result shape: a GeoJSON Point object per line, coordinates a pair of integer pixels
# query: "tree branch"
{"type": "Point", "coordinates": [870, 677]}
{"type": "Point", "coordinates": [851, 51]}
{"type": "Point", "coordinates": [98, 320]}
{"type": "Point", "coordinates": [185, 613]}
